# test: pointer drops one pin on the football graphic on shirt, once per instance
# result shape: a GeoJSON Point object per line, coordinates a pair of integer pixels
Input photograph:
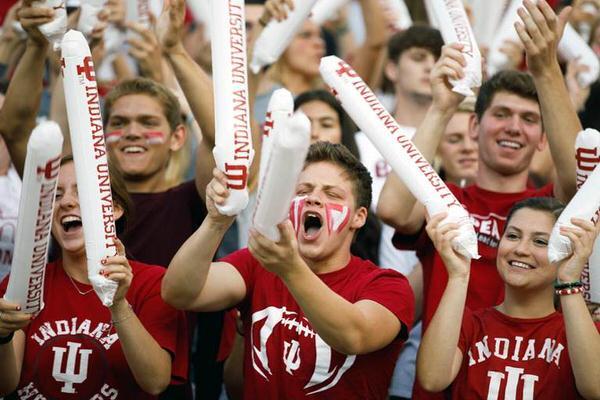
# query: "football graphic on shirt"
{"type": "Point", "coordinates": [283, 340]}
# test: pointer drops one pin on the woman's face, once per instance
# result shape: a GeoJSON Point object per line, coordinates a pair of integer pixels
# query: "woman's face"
{"type": "Point", "coordinates": [523, 250]}
{"type": "Point", "coordinates": [66, 220]}
{"type": "Point", "coordinates": [324, 121]}
{"type": "Point", "coordinates": [304, 53]}
{"type": "Point", "coordinates": [458, 150]}
{"type": "Point", "coordinates": [67, 227]}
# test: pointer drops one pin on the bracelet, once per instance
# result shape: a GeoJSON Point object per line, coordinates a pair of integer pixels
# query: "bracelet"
{"type": "Point", "coordinates": [567, 285]}
{"type": "Point", "coordinates": [6, 339]}
{"type": "Point", "coordinates": [568, 291]}
{"type": "Point", "coordinates": [129, 315]}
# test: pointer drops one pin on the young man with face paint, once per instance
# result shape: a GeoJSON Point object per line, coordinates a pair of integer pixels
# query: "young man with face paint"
{"type": "Point", "coordinates": [308, 306]}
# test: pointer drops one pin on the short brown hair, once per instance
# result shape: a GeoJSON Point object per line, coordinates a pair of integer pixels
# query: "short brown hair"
{"type": "Point", "coordinates": [164, 96]}
{"type": "Point", "coordinates": [509, 81]}
{"type": "Point", "coordinates": [420, 36]}
{"type": "Point", "coordinates": [339, 155]}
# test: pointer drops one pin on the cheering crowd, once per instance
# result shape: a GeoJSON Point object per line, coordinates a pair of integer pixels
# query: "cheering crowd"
{"type": "Point", "coordinates": [366, 294]}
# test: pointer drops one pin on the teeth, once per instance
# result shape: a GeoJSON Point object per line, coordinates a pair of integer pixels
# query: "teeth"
{"type": "Point", "coordinates": [70, 218]}
{"type": "Point", "coordinates": [519, 264]}
{"type": "Point", "coordinates": [509, 144]}
{"type": "Point", "coordinates": [134, 149]}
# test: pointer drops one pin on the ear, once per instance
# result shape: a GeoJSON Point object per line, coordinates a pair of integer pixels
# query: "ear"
{"type": "Point", "coordinates": [474, 127]}
{"type": "Point", "coordinates": [543, 143]}
{"type": "Point", "coordinates": [359, 219]}
{"type": "Point", "coordinates": [117, 211]}
{"type": "Point", "coordinates": [391, 70]}
{"type": "Point", "coordinates": [177, 138]}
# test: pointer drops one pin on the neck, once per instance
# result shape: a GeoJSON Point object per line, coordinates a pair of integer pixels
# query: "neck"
{"type": "Point", "coordinates": [519, 303]}
{"type": "Point", "coordinates": [152, 184]}
{"type": "Point", "coordinates": [411, 109]}
{"type": "Point", "coordinates": [75, 265]}
{"type": "Point", "coordinates": [330, 264]}
{"type": "Point", "coordinates": [491, 180]}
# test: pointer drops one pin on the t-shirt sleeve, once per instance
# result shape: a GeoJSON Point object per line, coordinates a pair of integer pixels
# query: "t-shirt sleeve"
{"type": "Point", "coordinates": [392, 290]}
{"type": "Point", "coordinates": [3, 286]}
{"type": "Point", "coordinates": [167, 325]}
{"type": "Point", "coordinates": [467, 331]}
{"type": "Point", "coordinates": [246, 264]}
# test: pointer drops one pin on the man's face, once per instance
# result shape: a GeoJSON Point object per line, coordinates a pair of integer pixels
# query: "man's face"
{"type": "Point", "coordinates": [509, 133]}
{"type": "Point", "coordinates": [139, 137]}
{"type": "Point", "coordinates": [327, 216]}
{"type": "Point", "coordinates": [411, 73]}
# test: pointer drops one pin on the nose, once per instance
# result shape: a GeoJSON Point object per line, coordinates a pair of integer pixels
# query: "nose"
{"type": "Point", "coordinates": [522, 248]}
{"type": "Point", "coordinates": [514, 125]}
{"type": "Point", "coordinates": [314, 132]}
{"type": "Point", "coordinates": [68, 200]}
{"type": "Point", "coordinates": [132, 132]}
{"type": "Point", "coordinates": [314, 199]}
{"type": "Point", "coordinates": [469, 145]}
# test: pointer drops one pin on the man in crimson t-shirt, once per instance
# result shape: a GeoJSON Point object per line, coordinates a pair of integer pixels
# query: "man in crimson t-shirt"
{"type": "Point", "coordinates": [516, 115]}
{"type": "Point", "coordinates": [317, 321]}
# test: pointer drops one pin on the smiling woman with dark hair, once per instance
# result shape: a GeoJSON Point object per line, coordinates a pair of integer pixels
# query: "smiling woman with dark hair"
{"type": "Point", "coordinates": [523, 347]}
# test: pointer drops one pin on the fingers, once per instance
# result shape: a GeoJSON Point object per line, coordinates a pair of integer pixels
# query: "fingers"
{"type": "Point", "coordinates": [117, 272]}
{"type": "Point", "coordinates": [435, 220]}
{"type": "Point", "coordinates": [451, 63]}
{"type": "Point", "coordinates": [217, 188]}
{"type": "Point", "coordinates": [287, 231]}
{"type": "Point", "coordinates": [119, 246]}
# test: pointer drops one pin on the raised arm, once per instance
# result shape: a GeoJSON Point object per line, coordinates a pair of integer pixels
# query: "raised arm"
{"type": "Point", "coordinates": [540, 31]}
{"type": "Point", "coordinates": [583, 339]}
{"type": "Point", "coordinates": [375, 39]}
{"type": "Point", "coordinates": [17, 116]}
{"type": "Point", "coordinates": [149, 363]}
{"type": "Point", "coordinates": [397, 206]}
{"type": "Point", "coordinates": [193, 281]}
{"type": "Point", "coordinates": [439, 358]}
{"type": "Point", "coordinates": [195, 83]}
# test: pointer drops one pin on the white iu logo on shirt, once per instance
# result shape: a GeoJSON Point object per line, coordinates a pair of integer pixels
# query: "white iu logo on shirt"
{"type": "Point", "coordinates": [68, 376]}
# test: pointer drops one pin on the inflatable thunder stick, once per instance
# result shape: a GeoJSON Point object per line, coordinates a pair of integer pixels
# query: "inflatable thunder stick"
{"type": "Point", "coordinates": [324, 10]}
{"type": "Point", "coordinates": [233, 140]}
{"type": "Point", "coordinates": [398, 14]}
{"type": "Point", "coordinates": [55, 29]}
{"type": "Point", "coordinates": [91, 163]}
{"type": "Point", "coordinates": [88, 17]}
{"type": "Point", "coordinates": [40, 176]}
{"type": "Point", "coordinates": [583, 205]}
{"type": "Point", "coordinates": [397, 149]}
{"type": "Point", "coordinates": [278, 186]}
{"type": "Point", "coordinates": [279, 111]}
{"type": "Point", "coordinates": [573, 47]}
{"type": "Point", "coordinates": [587, 154]}
{"type": "Point", "coordinates": [496, 59]}
{"type": "Point", "coordinates": [277, 35]}
{"type": "Point", "coordinates": [455, 28]}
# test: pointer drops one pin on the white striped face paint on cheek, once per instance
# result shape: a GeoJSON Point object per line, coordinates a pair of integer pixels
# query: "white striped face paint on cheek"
{"type": "Point", "coordinates": [151, 137]}
{"type": "Point", "coordinates": [338, 216]}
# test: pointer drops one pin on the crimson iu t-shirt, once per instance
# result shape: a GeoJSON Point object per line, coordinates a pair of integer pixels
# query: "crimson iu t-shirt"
{"type": "Point", "coordinates": [488, 211]}
{"type": "Point", "coordinates": [72, 351]}
{"type": "Point", "coordinates": [514, 358]}
{"type": "Point", "coordinates": [284, 356]}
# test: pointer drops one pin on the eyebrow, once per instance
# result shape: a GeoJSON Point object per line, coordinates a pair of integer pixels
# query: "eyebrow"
{"type": "Point", "coordinates": [537, 233]}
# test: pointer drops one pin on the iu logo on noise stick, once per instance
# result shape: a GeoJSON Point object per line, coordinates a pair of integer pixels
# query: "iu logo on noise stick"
{"type": "Point", "coordinates": [237, 176]}
{"type": "Point", "coordinates": [346, 69]}
{"type": "Point", "coordinates": [587, 159]}
{"type": "Point", "coordinates": [50, 170]}
{"type": "Point", "coordinates": [87, 68]}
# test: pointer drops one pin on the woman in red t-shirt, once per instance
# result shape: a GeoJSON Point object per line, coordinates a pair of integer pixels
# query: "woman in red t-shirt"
{"type": "Point", "coordinates": [522, 348]}
{"type": "Point", "coordinates": [75, 348]}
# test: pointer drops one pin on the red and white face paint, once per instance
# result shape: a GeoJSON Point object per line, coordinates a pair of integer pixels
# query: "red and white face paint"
{"type": "Point", "coordinates": [296, 209]}
{"type": "Point", "coordinates": [336, 215]}
{"type": "Point", "coordinates": [151, 137]}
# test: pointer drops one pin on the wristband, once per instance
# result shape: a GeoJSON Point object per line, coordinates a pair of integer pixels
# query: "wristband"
{"type": "Point", "coordinates": [129, 315]}
{"type": "Point", "coordinates": [6, 339]}
{"type": "Point", "coordinates": [567, 285]}
{"type": "Point", "coordinates": [566, 292]}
